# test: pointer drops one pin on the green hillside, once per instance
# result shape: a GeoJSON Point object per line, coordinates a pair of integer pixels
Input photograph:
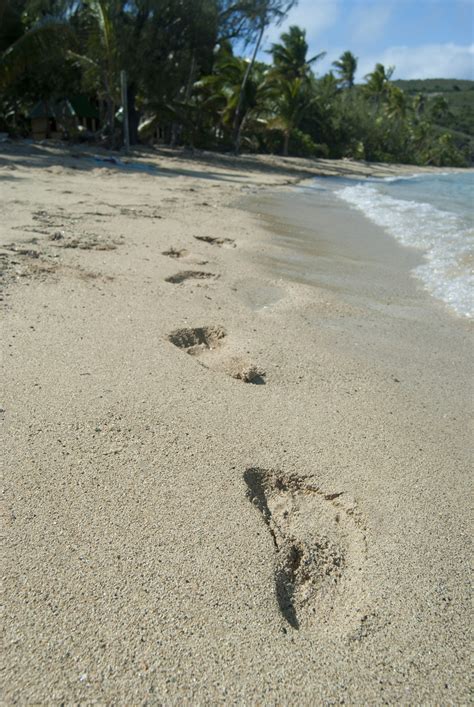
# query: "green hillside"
{"type": "Point", "coordinates": [459, 96]}
{"type": "Point", "coordinates": [435, 85]}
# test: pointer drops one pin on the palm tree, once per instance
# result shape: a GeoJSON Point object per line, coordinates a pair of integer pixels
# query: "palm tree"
{"type": "Point", "coordinates": [396, 107]}
{"type": "Point", "coordinates": [378, 83]}
{"type": "Point", "coordinates": [45, 36]}
{"type": "Point", "coordinates": [30, 60]}
{"type": "Point", "coordinates": [222, 91]}
{"type": "Point", "coordinates": [100, 57]}
{"type": "Point", "coordinates": [262, 12]}
{"type": "Point", "coordinates": [289, 56]}
{"type": "Point", "coordinates": [346, 66]}
{"type": "Point", "coordinates": [289, 82]}
{"type": "Point", "coordinates": [293, 98]}
{"type": "Point", "coordinates": [62, 33]}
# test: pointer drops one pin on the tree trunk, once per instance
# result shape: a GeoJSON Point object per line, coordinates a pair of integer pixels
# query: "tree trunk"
{"type": "Point", "coordinates": [110, 118]}
{"type": "Point", "coordinates": [187, 98]}
{"type": "Point", "coordinates": [286, 142]}
{"type": "Point", "coordinates": [237, 137]}
{"type": "Point", "coordinates": [192, 70]}
{"type": "Point", "coordinates": [46, 110]}
{"type": "Point", "coordinates": [237, 119]}
{"type": "Point", "coordinates": [175, 134]}
{"type": "Point", "coordinates": [133, 114]}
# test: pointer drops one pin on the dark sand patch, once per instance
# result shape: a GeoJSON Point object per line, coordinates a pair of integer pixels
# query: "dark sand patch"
{"type": "Point", "coordinates": [190, 275]}
{"type": "Point", "coordinates": [216, 241]}
{"type": "Point", "coordinates": [175, 252]}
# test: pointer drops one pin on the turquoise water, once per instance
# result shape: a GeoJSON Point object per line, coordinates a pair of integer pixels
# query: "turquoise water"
{"type": "Point", "coordinates": [430, 212]}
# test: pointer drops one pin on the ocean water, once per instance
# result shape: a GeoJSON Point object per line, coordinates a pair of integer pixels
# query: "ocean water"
{"type": "Point", "coordinates": [430, 212]}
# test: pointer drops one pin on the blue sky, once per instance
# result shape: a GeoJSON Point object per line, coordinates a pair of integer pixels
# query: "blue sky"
{"type": "Point", "coordinates": [421, 38]}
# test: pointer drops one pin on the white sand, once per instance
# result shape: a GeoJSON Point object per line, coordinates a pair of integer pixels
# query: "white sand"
{"type": "Point", "coordinates": [175, 534]}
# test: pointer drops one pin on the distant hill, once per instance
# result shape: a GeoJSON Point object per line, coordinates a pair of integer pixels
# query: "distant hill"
{"type": "Point", "coordinates": [428, 86]}
{"type": "Point", "coordinates": [459, 95]}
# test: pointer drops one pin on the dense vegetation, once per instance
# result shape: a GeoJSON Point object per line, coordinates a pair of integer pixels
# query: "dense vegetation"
{"type": "Point", "coordinates": [188, 85]}
{"type": "Point", "coordinates": [457, 102]}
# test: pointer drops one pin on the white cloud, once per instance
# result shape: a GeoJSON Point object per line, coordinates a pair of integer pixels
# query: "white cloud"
{"type": "Point", "coordinates": [368, 21]}
{"type": "Point", "coordinates": [450, 61]}
{"type": "Point", "coordinates": [315, 16]}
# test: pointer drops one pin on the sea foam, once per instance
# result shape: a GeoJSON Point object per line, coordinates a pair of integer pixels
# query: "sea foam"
{"type": "Point", "coordinates": [445, 237]}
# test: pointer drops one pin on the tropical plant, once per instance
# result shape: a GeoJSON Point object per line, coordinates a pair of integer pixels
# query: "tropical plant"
{"type": "Point", "coordinates": [224, 88]}
{"type": "Point", "coordinates": [346, 67]}
{"type": "Point", "coordinates": [100, 58]}
{"type": "Point", "coordinates": [186, 85]}
{"type": "Point", "coordinates": [289, 55]}
{"type": "Point", "coordinates": [378, 82]}
{"type": "Point", "coordinates": [439, 109]}
{"type": "Point", "coordinates": [397, 105]}
{"type": "Point", "coordinates": [261, 13]}
{"type": "Point", "coordinates": [292, 100]}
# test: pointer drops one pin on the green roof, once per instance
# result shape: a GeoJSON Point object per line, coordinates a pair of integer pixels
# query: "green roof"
{"type": "Point", "coordinates": [79, 106]}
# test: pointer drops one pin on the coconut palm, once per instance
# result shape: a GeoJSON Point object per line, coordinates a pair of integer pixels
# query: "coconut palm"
{"type": "Point", "coordinates": [290, 59]}
{"type": "Point", "coordinates": [99, 59]}
{"type": "Point", "coordinates": [44, 37]}
{"type": "Point", "coordinates": [378, 82]}
{"type": "Point", "coordinates": [292, 100]}
{"type": "Point", "coordinates": [64, 34]}
{"type": "Point", "coordinates": [397, 107]}
{"type": "Point", "coordinates": [223, 92]}
{"type": "Point", "coordinates": [261, 13]}
{"type": "Point", "coordinates": [346, 66]}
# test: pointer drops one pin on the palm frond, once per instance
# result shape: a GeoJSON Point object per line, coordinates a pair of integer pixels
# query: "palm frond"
{"type": "Point", "coordinates": [36, 44]}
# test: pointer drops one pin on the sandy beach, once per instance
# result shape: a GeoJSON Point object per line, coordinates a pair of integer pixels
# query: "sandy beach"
{"type": "Point", "coordinates": [227, 480]}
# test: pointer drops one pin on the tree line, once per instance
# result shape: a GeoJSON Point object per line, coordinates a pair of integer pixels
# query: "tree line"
{"type": "Point", "coordinates": [196, 78]}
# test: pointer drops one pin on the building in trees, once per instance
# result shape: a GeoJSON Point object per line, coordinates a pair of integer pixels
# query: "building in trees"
{"type": "Point", "coordinates": [70, 116]}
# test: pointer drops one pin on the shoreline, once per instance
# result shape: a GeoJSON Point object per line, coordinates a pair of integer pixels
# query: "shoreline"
{"type": "Point", "coordinates": [145, 574]}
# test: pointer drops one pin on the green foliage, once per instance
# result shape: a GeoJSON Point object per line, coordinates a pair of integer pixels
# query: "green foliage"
{"type": "Point", "coordinates": [290, 87]}
{"type": "Point", "coordinates": [289, 55]}
{"type": "Point", "coordinates": [303, 145]}
{"type": "Point", "coordinates": [346, 67]}
{"type": "Point", "coordinates": [458, 97]}
{"type": "Point", "coordinates": [185, 82]}
{"type": "Point", "coordinates": [378, 83]}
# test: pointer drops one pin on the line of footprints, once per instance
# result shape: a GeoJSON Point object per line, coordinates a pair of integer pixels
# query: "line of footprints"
{"type": "Point", "coordinates": [319, 539]}
{"type": "Point", "coordinates": [205, 343]}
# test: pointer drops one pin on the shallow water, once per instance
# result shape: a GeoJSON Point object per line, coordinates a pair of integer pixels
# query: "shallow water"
{"type": "Point", "coordinates": [432, 213]}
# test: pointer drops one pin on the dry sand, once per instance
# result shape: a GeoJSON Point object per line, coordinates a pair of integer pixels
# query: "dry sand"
{"type": "Point", "coordinates": [232, 486]}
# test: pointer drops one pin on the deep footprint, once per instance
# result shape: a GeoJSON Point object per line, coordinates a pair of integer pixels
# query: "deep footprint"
{"type": "Point", "coordinates": [175, 252]}
{"type": "Point", "coordinates": [190, 275]}
{"type": "Point", "coordinates": [203, 342]}
{"type": "Point", "coordinates": [196, 341]}
{"type": "Point", "coordinates": [216, 241]}
{"type": "Point", "coordinates": [319, 546]}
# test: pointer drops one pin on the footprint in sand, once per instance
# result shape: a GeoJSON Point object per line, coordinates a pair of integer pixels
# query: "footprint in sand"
{"type": "Point", "coordinates": [198, 340]}
{"type": "Point", "coordinates": [175, 252]}
{"type": "Point", "coordinates": [320, 549]}
{"type": "Point", "coordinates": [206, 344]}
{"type": "Point", "coordinates": [190, 275]}
{"type": "Point", "coordinates": [216, 241]}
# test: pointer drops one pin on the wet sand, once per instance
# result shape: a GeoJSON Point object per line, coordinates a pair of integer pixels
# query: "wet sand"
{"type": "Point", "coordinates": [175, 532]}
